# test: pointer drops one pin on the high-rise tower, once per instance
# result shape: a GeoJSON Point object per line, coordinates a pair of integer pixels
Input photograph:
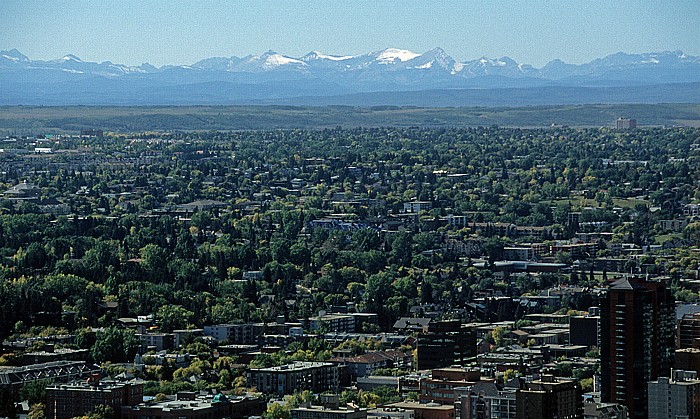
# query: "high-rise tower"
{"type": "Point", "coordinates": [637, 340]}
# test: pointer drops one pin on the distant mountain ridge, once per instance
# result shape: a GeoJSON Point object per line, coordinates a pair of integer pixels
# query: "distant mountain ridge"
{"type": "Point", "coordinates": [271, 76]}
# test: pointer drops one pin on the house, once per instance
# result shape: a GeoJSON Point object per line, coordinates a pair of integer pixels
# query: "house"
{"type": "Point", "coordinates": [202, 205]}
{"type": "Point", "coordinates": [411, 324]}
{"type": "Point", "coordinates": [156, 341]}
{"type": "Point", "coordinates": [23, 192]}
{"type": "Point", "coordinates": [677, 224]}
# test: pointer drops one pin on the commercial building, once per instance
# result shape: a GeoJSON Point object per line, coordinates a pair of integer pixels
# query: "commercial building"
{"type": "Point", "coordinates": [689, 330]}
{"type": "Point", "coordinates": [188, 405]}
{"type": "Point", "coordinates": [444, 344]}
{"type": "Point", "coordinates": [583, 330]}
{"type": "Point", "coordinates": [625, 123]}
{"type": "Point", "coordinates": [286, 379]}
{"type": "Point", "coordinates": [156, 341]}
{"type": "Point", "coordinates": [51, 354]}
{"type": "Point", "coordinates": [485, 400]}
{"type": "Point", "coordinates": [441, 386]}
{"type": "Point", "coordinates": [675, 397]}
{"type": "Point", "coordinates": [549, 398]}
{"type": "Point", "coordinates": [328, 409]}
{"type": "Point", "coordinates": [426, 411]}
{"type": "Point", "coordinates": [637, 339]}
{"type": "Point", "coordinates": [687, 359]}
{"type": "Point", "coordinates": [66, 401]}
{"type": "Point", "coordinates": [320, 412]}
{"type": "Point", "coordinates": [390, 413]}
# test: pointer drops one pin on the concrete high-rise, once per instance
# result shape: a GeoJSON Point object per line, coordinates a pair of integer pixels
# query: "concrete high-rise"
{"type": "Point", "coordinates": [675, 397]}
{"type": "Point", "coordinates": [637, 341]}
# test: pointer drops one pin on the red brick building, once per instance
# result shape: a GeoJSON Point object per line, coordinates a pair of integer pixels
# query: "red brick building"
{"type": "Point", "coordinates": [66, 401]}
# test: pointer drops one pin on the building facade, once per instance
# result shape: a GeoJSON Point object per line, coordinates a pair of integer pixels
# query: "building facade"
{"type": "Point", "coordinates": [66, 401]}
{"type": "Point", "coordinates": [689, 330]}
{"type": "Point", "coordinates": [549, 398]}
{"type": "Point", "coordinates": [675, 397]}
{"type": "Point", "coordinates": [485, 400]}
{"type": "Point", "coordinates": [286, 379]}
{"type": "Point", "coordinates": [444, 344]}
{"type": "Point", "coordinates": [319, 412]}
{"type": "Point", "coordinates": [637, 340]}
{"type": "Point", "coordinates": [625, 123]}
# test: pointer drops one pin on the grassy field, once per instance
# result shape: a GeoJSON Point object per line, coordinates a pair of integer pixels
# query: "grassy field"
{"type": "Point", "coordinates": [26, 119]}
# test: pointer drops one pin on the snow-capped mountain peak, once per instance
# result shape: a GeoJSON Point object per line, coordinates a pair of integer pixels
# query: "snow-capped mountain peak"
{"type": "Point", "coordinates": [436, 58]}
{"type": "Point", "coordinates": [71, 57]}
{"type": "Point", "coordinates": [273, 59]}
{"type": "Point", "coordinates": [315, 55]}
{"type": "Point", "coordinates": [270, 60]}
{"type": "Point", "coordinates": [14, 55]}
{"type": "Point", "coordinates": [381, 70]}
{"type": "Point", "coordinates": [392, 55]}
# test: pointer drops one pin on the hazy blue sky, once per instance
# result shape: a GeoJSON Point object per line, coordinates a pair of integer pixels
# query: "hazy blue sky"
{"type": "Point", "coordinates": [182, 32]}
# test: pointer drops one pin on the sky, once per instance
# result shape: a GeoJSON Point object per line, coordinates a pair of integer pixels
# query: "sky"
{"type": "Point", "coordinates": [182, 32]}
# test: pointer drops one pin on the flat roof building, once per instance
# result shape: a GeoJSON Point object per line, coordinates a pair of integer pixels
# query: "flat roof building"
{"type": "Point", "coordinates": [66, 401]}
{"type": "Point", "coordinates": [675, 397]}
{"type": "Point", "coordinates": [286, 379]}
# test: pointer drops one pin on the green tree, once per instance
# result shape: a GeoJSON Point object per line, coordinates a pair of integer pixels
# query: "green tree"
{"type": "Point", "coordinates": [277, 411]}
{"type": "Point", "coordinates": [586, 384]}
{"type": "Point", "coordinates": [35, 391]}
{"type": "Point", "coordinates": [115, 344]}
{"type": "Point", "coordinates": [154, 262]}
{"type": "Point", "coordinates": [173, 317]}
{"type": "Point", "coordinates": [497, 335]}
{"type": "Point", "coordinates": [493, 246]}
{"type": "Point", "coordinates": [377, 291]}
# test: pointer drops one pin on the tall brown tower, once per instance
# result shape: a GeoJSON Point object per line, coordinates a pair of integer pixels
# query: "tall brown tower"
{"type": "Point", "coordinates": [637, 340]}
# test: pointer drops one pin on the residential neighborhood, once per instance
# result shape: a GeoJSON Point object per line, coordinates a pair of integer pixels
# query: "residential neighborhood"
{"type": "Point", "coordinates": [484, 272]}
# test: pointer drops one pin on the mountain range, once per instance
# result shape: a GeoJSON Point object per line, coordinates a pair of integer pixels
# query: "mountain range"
{"type": "Point", "coordinates": [388, 77]}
